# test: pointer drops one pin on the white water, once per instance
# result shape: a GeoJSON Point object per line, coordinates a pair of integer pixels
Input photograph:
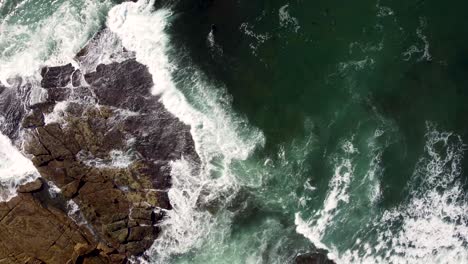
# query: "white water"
{"type": "Point", "coordinates": [38, 34]}
{"type": "Point", "coordinates": [414, 49]}
{"type": "Point", "coordinates": [338, 193]}
{"type": "Point", "coordinates": [286, 20]}
{"type": "Point", "coordinates": [104, 48]}
{"type": "Point", "coordinates": [35, 34]}
{"type": "Point", "coordinates": [431, 227]}
{"type": "Point", "coordinates": [15, 169]}
{"type": "Point", "coordinates": [117, 159]}
{"type": "Point", "coordinates": [434, 225]}
{"type": "Point", "coordinates": [213, 127]}
{"type": "Point", "coordinates": [28, 45]}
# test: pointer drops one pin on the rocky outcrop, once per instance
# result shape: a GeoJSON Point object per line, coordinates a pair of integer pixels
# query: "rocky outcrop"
{"type": "Point", "coordinates": [107, 144]}
{"type": "Point", "coordinates": [12, 109]}
{"type": "Point", "coordinates": [36, 229]}
{"type": "Point", "coordinates": [313, 258]}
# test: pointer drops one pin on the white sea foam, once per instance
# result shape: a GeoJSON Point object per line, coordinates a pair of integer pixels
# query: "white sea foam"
{"type": "Point", "coordinates": [27, 42]}
{"type": "Point", "coordinates": [431, 227]}
{"type": "Point", "coordinates": [104, 48]}
{"type": "Point", "coordinates": [54, 190]}
{"type": "Point", "coordinates": [383, 11]}
{"type": "Point", "coordinates": [117, 159]}
{"type": "Point", "coordinates": [213, 127]}
{"type": "Point", "coordinates": [366, 48]}
{"type": "Point", "coordinates": [286, 20]}
{"type": "Point", "coordinates": [74, 212]}
{"type": "Point", "coordinates": [58, 113]}
{"type": "Point", "coordinates": [356, 65]}
{"type": "Point", "coordinates": [426, 55]}
{"type": "Point", "coordinates": [215, 48]}
{"type": "Point", "coordinates": [259, 38]}
{"type": "Point", "coordinates": [37, 95]}
{"type": "Point", "coordinates": [15, 169]}
{"type": "Point", "coordinates": [375, 171]}
{"type": "Point", "coordinates": [120, 159]}
{"type": "Point", "coordinates": [314, 229]}
{"type": "Point", "coordinates": [414, 49]}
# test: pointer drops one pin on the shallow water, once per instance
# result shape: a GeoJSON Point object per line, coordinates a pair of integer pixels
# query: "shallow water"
{"type": "Point", "coordinates": [330, 125]}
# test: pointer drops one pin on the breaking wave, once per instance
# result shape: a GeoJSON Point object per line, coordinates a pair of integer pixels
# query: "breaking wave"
{"type": "Point", "coordinates": [221, 138]}
{"type": "Point", "coordinates": [36, 34]}
{"type": "Point", "coordinates": [15, 169]}
{"type": "Point", "coordinates": [430, 227]}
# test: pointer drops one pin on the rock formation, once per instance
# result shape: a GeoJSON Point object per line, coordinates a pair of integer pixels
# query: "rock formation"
{"type": "Point", "coordinates": [102, 144]}
{"type": "Point", "coordinates": [106, 143]}
{"type": "Point", "coordinates": [34, 228]}
{"type": "Point", "coordinates": [313, 258]}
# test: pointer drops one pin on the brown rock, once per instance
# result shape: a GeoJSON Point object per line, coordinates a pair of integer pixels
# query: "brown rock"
{"type": "Point", "coordinates": [116, 226]}
{"type": "Point", "coordinates": [31, 186]}
{"type": "Point", "coordinates": [136, 247]}
{"type": "Point", "coordinates": [79, 154]}
{"type": "Point", "coordinates": [140, 232]}
{"type": "Point", "coordinates": [34, 119]}
{"type": "Point", "coordinates": [120, 235]}
{"type": "Point", "coordinates": [34, 261]}
{"type": "Point", "coordinates": [35, 232]}
{"type": "Point", "coordinates": [70, 189]}
{"type": "Point", "coordinates": [141, 213]}
{"type": "Point", "coordinates": [83, 249]}
{"type": "Point", "coordinates": [117, 258]}
{"type": "Point", "coordinates": [104, 248]}
{"type": "Point", "coordinates": [138, 222]}
{"type": "Point", "coordinates": [94, 260]}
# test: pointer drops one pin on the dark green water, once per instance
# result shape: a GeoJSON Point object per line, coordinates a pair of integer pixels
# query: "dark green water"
{"type": "Point", "coordinates": [343, 55]}
{"type": "Point", "coordinates": [388, 77]}
{"type": "Point", "coordinates": [332, 125]}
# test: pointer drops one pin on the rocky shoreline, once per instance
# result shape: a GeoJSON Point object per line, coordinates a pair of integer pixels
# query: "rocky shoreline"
{"type": "Point", "coordinates": [102, 144]}
{"type": "Point", "coordinates": [105, 142]}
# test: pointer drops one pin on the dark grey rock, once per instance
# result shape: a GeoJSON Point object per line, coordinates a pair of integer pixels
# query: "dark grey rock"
{"type": "Point", "coordinates": [53, 77]}
{"type": "Point", "coordinates": [313, 258]}
{"type": "Point", "coordinates": [96, 124]}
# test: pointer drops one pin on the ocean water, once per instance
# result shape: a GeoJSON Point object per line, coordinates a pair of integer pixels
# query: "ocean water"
{"type": "Point", "coordinates": [320, 125]}
{"type": "Point", "coordinates": [15, 169]}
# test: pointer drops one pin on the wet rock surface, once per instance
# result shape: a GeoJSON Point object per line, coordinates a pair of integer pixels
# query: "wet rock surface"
{"type": "Point", "coordinates": [106, 143]}
{"type": "Point", "coordinates": [313, 258]}
{"type": "Point", "coordinates": [33, 230]}
{"type": "Point", "coordinates": [12, 110]}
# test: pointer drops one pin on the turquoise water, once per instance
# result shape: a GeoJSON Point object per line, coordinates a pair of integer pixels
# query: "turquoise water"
{"type": "Point", "coordinates": [327, 124]}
